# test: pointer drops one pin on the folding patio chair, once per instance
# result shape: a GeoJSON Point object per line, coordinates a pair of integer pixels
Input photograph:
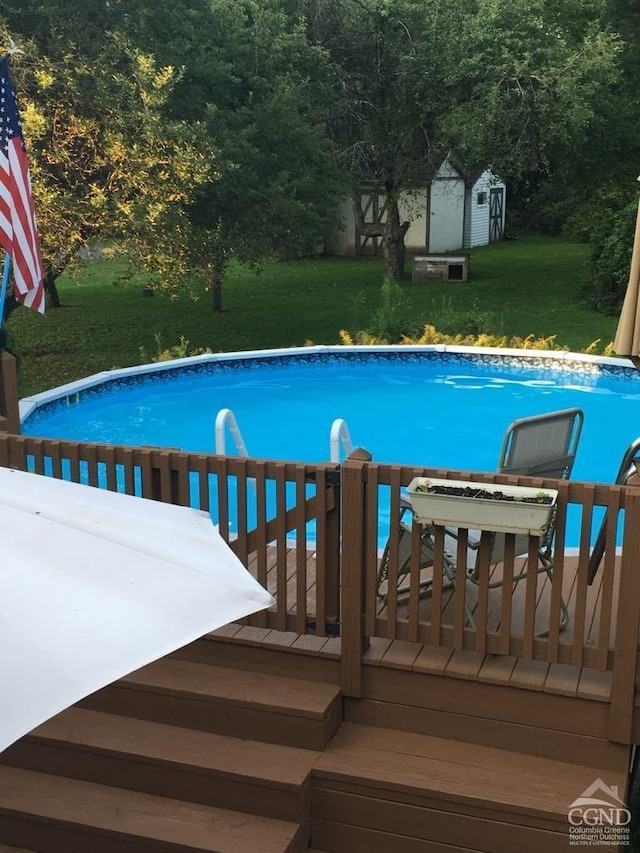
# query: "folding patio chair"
{"type": "Point", "coordinates": [629, 466]}
{"type": "Point", "coordinates": [539, 446]}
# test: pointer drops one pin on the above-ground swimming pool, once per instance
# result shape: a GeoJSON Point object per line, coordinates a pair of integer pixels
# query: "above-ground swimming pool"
{"type": "Point", "coordinates": [424, 406]}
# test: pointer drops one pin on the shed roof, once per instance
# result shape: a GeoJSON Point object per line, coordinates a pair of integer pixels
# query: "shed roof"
{"type": "Point", "coordinates": [423, 174]}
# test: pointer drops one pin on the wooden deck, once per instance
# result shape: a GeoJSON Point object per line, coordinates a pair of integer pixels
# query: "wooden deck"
{"type": "Point", "coordinates": [560, 679]}
{"type": "Point", "coordinates": [339, 721]}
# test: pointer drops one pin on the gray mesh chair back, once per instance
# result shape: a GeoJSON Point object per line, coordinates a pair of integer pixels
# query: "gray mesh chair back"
{"type": "Point", "coordinates": [542, 445]}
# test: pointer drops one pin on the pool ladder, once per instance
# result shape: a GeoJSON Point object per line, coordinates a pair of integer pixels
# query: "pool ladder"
{"type": "Point", "coordinates": [224, 418]}
{"type": "Point", "coordinates": [339, 437]}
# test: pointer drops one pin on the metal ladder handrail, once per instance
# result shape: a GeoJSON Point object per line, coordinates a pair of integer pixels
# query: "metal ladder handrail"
{"type": "Point", "coordinates": [224, 418]}
{"type": "Point", "coordinates": [339, 435]}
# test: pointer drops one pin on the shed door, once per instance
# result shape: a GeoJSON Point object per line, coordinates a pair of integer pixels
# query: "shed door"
{"type": "Point", "coordinates": [496, 213]}
{"type": "Point", "coordinates": [446, 219]}
{"type": "Point", "coordinates": [374, 209]}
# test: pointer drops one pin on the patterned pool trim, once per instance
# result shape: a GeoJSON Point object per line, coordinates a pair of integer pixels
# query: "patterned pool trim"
{"type": "Point", "coordinates": [548, 363]}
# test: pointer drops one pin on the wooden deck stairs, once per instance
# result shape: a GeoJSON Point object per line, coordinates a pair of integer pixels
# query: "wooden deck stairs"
{"type": "Point", "coordinates": [243, 743]}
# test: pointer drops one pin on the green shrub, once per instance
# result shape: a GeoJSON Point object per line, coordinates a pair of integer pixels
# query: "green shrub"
{"type": "Point", "coordinates": [180, 350]}
{"type": "Point", "coordinates": [396, 316]}
{"type": "Point", "coordinates": [610, 261]}
{"type": "Point", "coordinates": [473, 321]}
{"type": "Point", "coordinates": [397, 319]}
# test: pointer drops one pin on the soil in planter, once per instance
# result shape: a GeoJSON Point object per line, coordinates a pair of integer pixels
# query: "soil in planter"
{"type": "Point", "coordinates": [472, 492]}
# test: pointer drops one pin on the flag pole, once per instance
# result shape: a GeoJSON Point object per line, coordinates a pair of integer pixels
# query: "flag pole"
{"type": "Point", "coordinates": [13, 49]}
{"type": "Point", "coordinates": [4, 285]}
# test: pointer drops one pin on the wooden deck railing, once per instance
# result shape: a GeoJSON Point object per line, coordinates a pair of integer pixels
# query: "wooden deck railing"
{"type": "Point", "coordinates": [494, 615]}
{"type": "Point", "coordinates": [316, 534]}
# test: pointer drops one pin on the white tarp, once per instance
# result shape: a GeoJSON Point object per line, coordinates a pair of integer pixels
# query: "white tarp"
{"type": "Point", "coordinates": [94, 585]}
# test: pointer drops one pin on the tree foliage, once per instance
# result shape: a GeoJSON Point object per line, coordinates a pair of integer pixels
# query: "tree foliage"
{"type": "Point", "coordinates": [205, 144]}
{"type": "Point", "coordinates": [108, 164]}
{"type": "Point", "coordinates": [610, 260]}
{"type": "Point", "coordinates": [610, 196]}
{"type": "Point", "coordinates": [278, 184]}
{"type": "Point", "coordinates": [262, 90]}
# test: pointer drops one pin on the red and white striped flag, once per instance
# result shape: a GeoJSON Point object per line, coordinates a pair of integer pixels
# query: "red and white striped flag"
{"type": "Point", "coordinates": [18, 229]}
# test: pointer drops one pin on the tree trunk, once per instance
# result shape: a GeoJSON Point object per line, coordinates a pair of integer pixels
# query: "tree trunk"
{"type": "Point", "coordinates": [394, 251]}
{"type": "Point", "coordinates": [217, 275]}
{"type": "Point", "coordinates": [217, 296]}
{"type": "Point", "coordinates": [392, 232]}
{"type": "Point", "coordinates": [51, 290]}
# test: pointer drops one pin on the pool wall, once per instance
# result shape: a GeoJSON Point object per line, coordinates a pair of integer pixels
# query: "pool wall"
{"type": "Point", "coordinates": [537, 359]}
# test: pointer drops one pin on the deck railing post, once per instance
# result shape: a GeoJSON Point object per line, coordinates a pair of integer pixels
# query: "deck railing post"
{"type": "Point", "coordinates": [160, 478]}
{"type": "Point", "coordinates": [353, 566]}
{"type": "Point", "coordinates": [332, 551]}
{"type": "Point", "coordinates": [9, 410]}
{"type": "Point", "coordinates": [623, 686]}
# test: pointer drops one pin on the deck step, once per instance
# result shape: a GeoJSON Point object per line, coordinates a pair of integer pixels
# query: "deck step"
{"type": "Point", "coordinates": [266, 779]}
{"type": "Point", "coordinates": [237, 703]}
{"type": "Point", "coordinates": [307, 657]}
{"type": "Point", "coordinates": [385, 790]}
{"type": "Point", "coordinates": [502, 734]}
{"type": "Point", "coordinates": [54, 814]}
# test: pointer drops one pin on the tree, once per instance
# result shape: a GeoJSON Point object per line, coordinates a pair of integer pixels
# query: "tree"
{"type": "Point", "coordinates": [558, 124]}
{"type": "Point", "coordinates": [201, 147]}
{"type": "Point", "coordinates": [515, 85]}
{"type": "Point", "coordinates": [260, 87]}
{"type": "Point", "coordinates": [107, 163]}
{"type": "Point", "coordinates": [611, 222]}
{"type": "Point", "coordinates": [610, 261]}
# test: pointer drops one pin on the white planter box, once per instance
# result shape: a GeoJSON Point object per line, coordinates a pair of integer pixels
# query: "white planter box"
{"type": "Point", "coordinates": [481, 513]}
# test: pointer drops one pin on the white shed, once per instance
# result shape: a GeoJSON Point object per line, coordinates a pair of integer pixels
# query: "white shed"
{"type": "Point", "coordinates": [484, 209]}
{"type": "Point", "coordinates": [449, 212]}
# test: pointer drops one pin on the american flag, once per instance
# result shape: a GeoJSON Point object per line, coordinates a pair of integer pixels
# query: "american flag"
{"type": "Point", "coordinates": [18, 229]}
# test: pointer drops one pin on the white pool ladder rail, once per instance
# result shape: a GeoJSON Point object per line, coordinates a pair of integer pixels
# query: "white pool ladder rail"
{"type": "Point", "coordinates": [339, 436]}
{"type": "Point", "coordinates": [224, 418]}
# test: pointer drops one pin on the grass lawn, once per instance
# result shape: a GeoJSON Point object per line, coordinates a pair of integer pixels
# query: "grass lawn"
{"type": "Point", "coordinates": [529, 286]}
